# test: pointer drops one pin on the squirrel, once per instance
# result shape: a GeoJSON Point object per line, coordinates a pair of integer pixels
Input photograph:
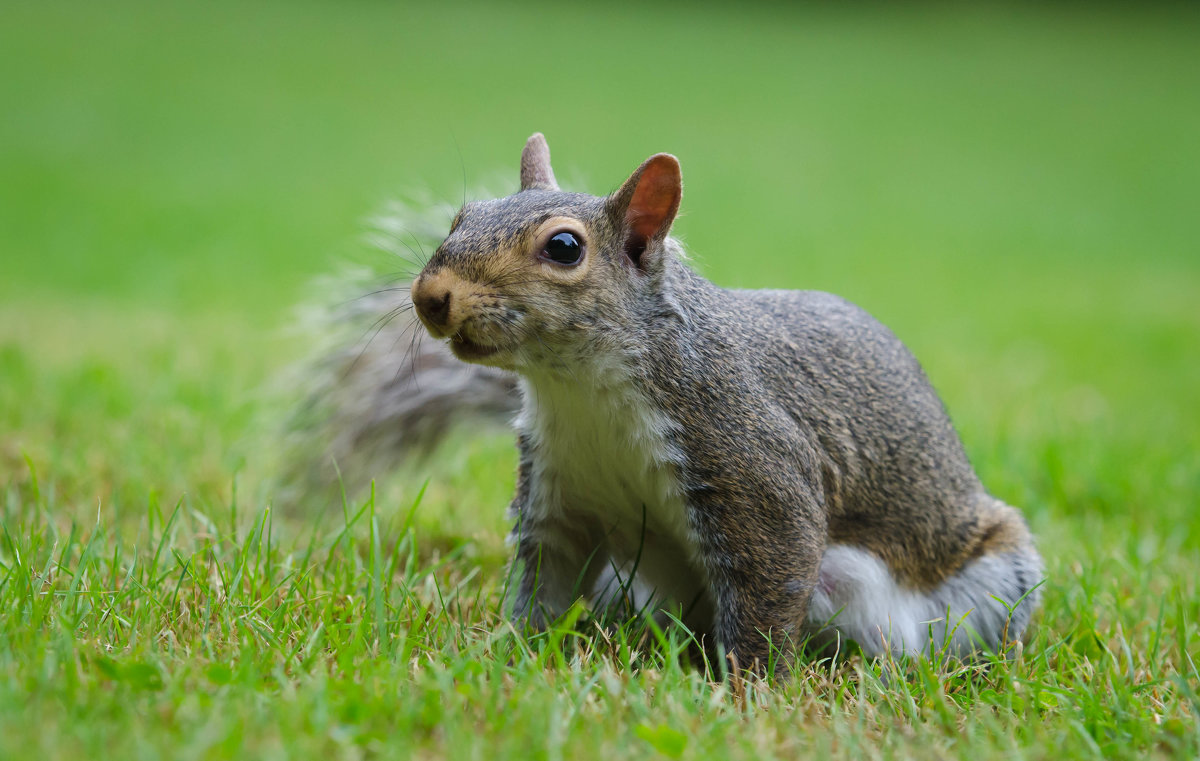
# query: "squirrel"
{"type": "Point", "coordinates": [772, 466]}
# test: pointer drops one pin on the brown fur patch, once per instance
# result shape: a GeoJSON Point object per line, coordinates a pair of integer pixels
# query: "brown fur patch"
{"type": "Point", "coordinates": [926, 551]}
{"type": "Point", "coordinates": [1004, 531]}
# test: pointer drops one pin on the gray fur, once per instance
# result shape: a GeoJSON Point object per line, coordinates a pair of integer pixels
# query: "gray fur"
{"type": "Point", "coordinates": [713, 442]}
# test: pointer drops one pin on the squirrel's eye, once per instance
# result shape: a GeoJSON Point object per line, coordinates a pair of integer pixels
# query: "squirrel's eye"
{"type": "Point", "coordinates": [563, 248]}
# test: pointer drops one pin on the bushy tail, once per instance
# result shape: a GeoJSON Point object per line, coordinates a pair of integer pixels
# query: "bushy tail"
{"type": "Point", "coordinates": [377, 390]}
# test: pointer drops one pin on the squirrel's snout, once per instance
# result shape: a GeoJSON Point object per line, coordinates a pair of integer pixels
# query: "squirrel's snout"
{"type": "Point", "coordinates": [432, 302]}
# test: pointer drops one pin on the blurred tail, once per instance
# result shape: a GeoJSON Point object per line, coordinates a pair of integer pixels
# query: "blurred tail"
{"type": "Point", "coordinates": [377, 390]}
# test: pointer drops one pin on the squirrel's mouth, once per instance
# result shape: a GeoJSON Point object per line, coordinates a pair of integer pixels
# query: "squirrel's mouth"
{"type": "Point", "coordinates": [466, 349]}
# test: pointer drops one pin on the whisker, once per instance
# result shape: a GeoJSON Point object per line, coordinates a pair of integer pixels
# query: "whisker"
{"type": "Point", "coordinates": [398, 274]}
{"type": "Point", "coordinates": [416, 336]}
{"type": "Point", "coordinates": [382, 323]}
{"type": "Point", "coordinates": [419, 260]}
{"type": "Point", "coordinates": [369, 294]}
{"type": "Point", "coordinates": [386, 240]}
{"type": "Point", "coordinates": [424, 257]}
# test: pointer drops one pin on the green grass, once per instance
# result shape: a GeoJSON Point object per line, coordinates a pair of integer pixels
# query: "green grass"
{"type": "Point", "coordinates": [1013, 189]}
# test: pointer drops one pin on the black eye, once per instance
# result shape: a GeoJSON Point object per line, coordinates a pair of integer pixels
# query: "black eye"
{"type": "Point", "coordinates": [563, 248]}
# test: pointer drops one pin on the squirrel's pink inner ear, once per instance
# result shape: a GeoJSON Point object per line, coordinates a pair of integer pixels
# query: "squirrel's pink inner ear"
{"type": "Point", "coordinates": [656, 197]}
{"type": "Point", "coordinates": [653, 204]}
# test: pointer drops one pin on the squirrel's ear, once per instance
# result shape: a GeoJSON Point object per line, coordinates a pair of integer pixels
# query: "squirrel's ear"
{"type": "Point", "coordinates": [535, 165]}
{"type": "Point", "coordinates": [647, 203]}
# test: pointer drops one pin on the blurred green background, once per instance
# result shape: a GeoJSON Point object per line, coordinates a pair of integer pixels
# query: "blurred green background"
{"type": "Point", "coordinates": [1015, 189]}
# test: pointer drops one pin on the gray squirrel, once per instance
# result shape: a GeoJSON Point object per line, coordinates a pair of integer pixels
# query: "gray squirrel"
{"type": "Point", "coordinates": [770, 466]}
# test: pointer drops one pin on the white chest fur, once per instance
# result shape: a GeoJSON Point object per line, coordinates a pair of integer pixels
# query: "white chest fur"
{"type": "Point", "coordinates": [602, 454]}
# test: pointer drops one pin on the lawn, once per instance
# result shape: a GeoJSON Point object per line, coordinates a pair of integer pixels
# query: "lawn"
{"type": "Point", "coordinates": [1013, 189]}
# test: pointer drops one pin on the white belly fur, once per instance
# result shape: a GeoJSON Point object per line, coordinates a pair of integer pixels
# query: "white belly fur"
{"type": "Point", "coordinates": [605, 454]}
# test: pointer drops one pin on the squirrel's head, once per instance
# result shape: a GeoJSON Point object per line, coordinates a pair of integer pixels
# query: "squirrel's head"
{"type": "Point", "coordinates": [543, 276]}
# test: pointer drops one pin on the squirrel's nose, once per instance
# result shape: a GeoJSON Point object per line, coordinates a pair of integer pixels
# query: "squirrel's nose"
{"type": "Point", "coordinates": [433, 307]}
